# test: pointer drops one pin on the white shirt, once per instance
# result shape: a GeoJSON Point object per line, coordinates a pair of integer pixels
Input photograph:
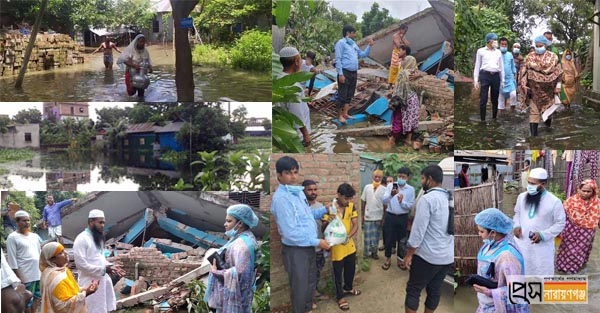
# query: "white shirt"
{"type": "Point", "coordinates": [488, 60]}
{"type": "Point", "coordinates": [9, 278]}
{"type": "Point", "coordinates": [91, 263]}
{"type": "Point", "coordinates": [300, 109]}
{"type": "Point", "coordinates": [373, 202]}
{"type": "Point", "coordinates": [306, 68]}
{"type": "Point", "coordinates": [23, 253]}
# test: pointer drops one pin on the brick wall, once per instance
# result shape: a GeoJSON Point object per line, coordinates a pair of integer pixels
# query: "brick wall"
{"type": "Point", "coordinates": [154, 266]}
{"type": "Point", "coordinates": [438, 96]}
{"type": "Point", "coordinates": [329, 171]}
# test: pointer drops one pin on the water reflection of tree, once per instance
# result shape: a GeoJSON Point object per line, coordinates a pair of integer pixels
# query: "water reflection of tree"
{"type": "Point", "coordinates": [154, 182]}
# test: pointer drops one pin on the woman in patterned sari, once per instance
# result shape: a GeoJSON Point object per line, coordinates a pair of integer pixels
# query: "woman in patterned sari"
{"type": "Point", "coordinates": [570, 76]}
{"type": "Point", "coordinates": [60, 292]}
{"type": "Point", "coordinates": [540, 80]}
{"type": "Point", "coordinates": [583, 215]}
{"type": "Point", "coordinates": [498, 259]}
{"type": "Point", "coordinates": [405, 104]}
{"type": "Point", "coordinates": [231, 289]}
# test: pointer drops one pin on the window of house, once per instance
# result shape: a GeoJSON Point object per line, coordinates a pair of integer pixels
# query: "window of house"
{"type": "Point", "coordinates": [155, 25]}
{"type": "Point", "coordinates": [27, 137]}
{"type": "Point", "coordinates": [81, 109]}
{"type": "Point", "coordinates": [72, 111]}
{"type": "Point", "coordinates": [142, 141]}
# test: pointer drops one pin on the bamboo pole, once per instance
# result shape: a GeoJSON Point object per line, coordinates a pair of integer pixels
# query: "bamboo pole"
{"type": "Point", "coordinates": [34, 31]}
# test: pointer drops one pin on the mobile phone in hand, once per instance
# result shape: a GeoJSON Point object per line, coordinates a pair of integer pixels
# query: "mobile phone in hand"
{"type": "Point", "coordinates": [395, 186]}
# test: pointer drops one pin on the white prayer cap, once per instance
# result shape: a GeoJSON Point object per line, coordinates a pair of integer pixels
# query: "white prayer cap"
{"type": "Point", "coordinates": [96, 213]}
{"type": "Point", "coordinates": [538, 173]}
{"type": "Point", "coordinates": [21, 213]}
{"type": "Point", "coordinates": [287, 52]}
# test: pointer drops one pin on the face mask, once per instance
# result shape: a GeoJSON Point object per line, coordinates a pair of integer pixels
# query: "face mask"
{"type": "Point", "coordinates": [532, 189]}
{"type": "Point", "coordinates": [516, 50]}
{"type": "Point", "coordinates": [424, 185]}
{"type": "Point", "coordinates": [495, 44]}
{"type": "Point", "coordinates": [569, 57]}
{"type": "Point", "coordinates": [540, 50]}
{"type": "Point", "coordinates": [376, 184]}
{"type": "Point", "coordinates": [294, 189]}
{"type": "Point", "coordinates": [350, 41]}
{"type": "Point", "coordinates": [230, 233]}
{"type": "Point", "coordinates": [401, 182]}
{"type": "Point", "coordinates": [489, 241]}
{"type": "Point", "coordinates": [503, 49]}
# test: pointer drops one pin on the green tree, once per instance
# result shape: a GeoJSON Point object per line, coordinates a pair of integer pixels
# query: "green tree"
{"type": "Point", "coordinates": [26, 203]}
{"type": "Point", "coordinates": [111, 115]}
{"type": "Point", "coordinates": [206, 128]}
{"type": "Point", "coordinates": [4, 122]}
{"type": "Point", "coordinates": [33, 116]}
{"type": "Point", "coordinates": [131, 13]}
{"type": "Point", "coordinates": [267, 124]}
{"type": "Point", "coordinates": [376, 19]}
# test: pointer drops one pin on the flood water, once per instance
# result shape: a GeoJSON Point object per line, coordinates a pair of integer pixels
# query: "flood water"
{"type": "Point", "coordinates": [572, 128]}
{"type": "Point", "coordinates": [90, 82]}
{"type": "Point", "coordinates": [86, 171]}
{"type": "Point", "coordinates": [324, 140]}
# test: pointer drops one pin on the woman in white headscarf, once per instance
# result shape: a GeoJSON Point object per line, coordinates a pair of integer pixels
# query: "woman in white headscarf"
{"type": "Point", "coordinates": [134, 56]}
{"type": "Point", "coordinates": [405, 104]}
{"type": "Point", "coordinates": [231, 289]}
{"type": "Point", "coordinates": [60, 292]}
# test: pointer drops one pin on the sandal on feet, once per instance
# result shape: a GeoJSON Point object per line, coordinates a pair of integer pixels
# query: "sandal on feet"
{"type": "Point", "coordinates": [353, 292]}
{"type": "Point", "coordinates": [321, 297]}
{"type": "Point", "coordinates": [386, 266]}
{"type": "Point", "coordinates": [343, 305]}
{"type": "Point", "coordinates": [402, 266]}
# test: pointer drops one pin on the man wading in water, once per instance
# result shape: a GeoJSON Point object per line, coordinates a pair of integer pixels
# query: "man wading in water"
{"type": "Point", "coordinates": [108, 47]}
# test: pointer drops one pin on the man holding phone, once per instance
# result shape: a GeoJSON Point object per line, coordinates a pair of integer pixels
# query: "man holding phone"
{"type": "Point", "coordinates": [399, 198]}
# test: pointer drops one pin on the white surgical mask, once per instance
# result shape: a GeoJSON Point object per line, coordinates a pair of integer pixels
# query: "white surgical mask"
{"type": "Point", "coordinates": [495, 44]}
{"type": "Point", "coordinates": [532, 189]}
{"type": "Point", "coordinates": [516, 50]}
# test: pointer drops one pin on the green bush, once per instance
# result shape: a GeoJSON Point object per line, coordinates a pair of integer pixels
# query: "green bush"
{"type": "Point", "coordinates": [251, 51]}
{"type": "Point", "coordinates": [210, 55]}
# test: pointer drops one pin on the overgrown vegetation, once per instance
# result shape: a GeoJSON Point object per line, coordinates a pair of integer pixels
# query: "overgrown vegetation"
{"type": "Point", "coordinates": [9, 155]}
{"type": "Point", "coordinates": [210, 55]}
{"type": "Point", "coordinates": [252, 143]}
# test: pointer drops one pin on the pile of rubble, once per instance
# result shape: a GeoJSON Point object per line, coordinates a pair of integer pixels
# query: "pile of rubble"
{"type": "Point", "coordinates": [49, 51]}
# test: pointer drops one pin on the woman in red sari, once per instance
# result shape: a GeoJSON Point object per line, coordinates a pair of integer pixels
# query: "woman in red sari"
{"type": "Point", "coordinates": [583, 215]}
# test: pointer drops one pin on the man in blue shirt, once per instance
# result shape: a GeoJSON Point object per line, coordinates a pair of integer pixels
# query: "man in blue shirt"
{"type": "Point", "coordinates": [296, 223]}
{"type": "Point", "coordinates": [347, 53]}
{"type": "Point", "coordinates": [399, 198]}
{"type": "Point", "coordinates": [52, 218]}
{"type": "Point", "coordinates": [510, 83]}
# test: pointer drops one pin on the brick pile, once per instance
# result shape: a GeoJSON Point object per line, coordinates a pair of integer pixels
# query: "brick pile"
{"type": "Point", "coordinates": [154, 266]}
{"type": "Point", "coordinates": [438, 96]}
{"type": "Point", "coordinates": [49, 51]}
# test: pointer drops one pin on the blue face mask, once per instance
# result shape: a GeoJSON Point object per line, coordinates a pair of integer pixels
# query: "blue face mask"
{"type": "Point", "coordinates": [401, 182]}
{"type": "Point", "coordinates": [515, 50]}
{"type": "Point", "coordinates": [503, 49]}
{"type": "Point", "coordinates": [232, 232]}
{"type": "Point", "coordinates": [294, 189]}
{"type": "Point", "coordinates": [540, 50]}
{"type": "Point", "coordinates": [532, 189]}
{"type": "Point", "coordinates": [569, 57]}
{"type": "Point", "coordinates": [489, 241]}
{"type": "Point", "coordinates": [350, 41]}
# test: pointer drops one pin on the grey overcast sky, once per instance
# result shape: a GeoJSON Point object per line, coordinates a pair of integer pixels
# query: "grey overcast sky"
{"type": "Point", "coordinates": [399, 9]}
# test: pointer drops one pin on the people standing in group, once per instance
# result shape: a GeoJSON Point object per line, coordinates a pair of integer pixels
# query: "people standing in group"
{"type": "Point", "coordinates": [516, 51]}
{"type": "Point", "coordinates": [52, 216]}
{"type": "Point", "coordinates": [311, 193]}
{"type": "Point", "coordinates": [539, 218]}
{"type": "Point", "coordinates": [430, 252]}
{"type": "Point", "coordinates": [298, 229]}
{"type": "Point", "coordinates": [540, 79]}
{"type": "Point", "coordinates": [509, 90]}
{"type": "Point", "coordinates": [569, 79]}
{"type": "Point", "coordinates": [497, 259]}
{"type": "Point", "coordinates": [343, 256]}
{"type": "Point", "coordinates": [292, 63]}
{"type": "Point", "coordinates": [231, 289]}
{"type": "Point", "coordinates": [372, 214]}
{"type": "Point", "coordinates": [463, 176]}
{"type": "Point", "coordinates": [347, 53]}
{"type": "Point", "coordinates": [583, 217]}
{"type": "Point", "coordinates": [400, 198]}
{"type": "Point", "coordinates": [489, 74]}
{"type": "Point", "coordinates": [23, 249]}
{"type": "Point", "coordinates": [88, 252]}
{"type": "Point", "coordinates": [405, 103]}
{"type": "Point", "coordinates": [398, 40]}
{"type": "Point", "coordinates": [60, 292]}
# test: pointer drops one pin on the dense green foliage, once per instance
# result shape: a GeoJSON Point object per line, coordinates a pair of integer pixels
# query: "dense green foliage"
{"type": "Point", "coordinates": [210, 55]}
{"type": "Point", "coordinates": [8, 155]}
{"type": "Point", "coordinates": [33, 116]}
{"type": "Point", "coordinates": [376, 19]}
{"type": "Point", "coordinates": [251, 51]}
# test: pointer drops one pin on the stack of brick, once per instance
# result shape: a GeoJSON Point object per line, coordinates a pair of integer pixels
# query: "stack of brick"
{"type": "Point", "coordinates": [439, 97]}
{"type": "Point", "coordinates": [154, 266]}
{"type": "Point", "coordinates": [49, 51]}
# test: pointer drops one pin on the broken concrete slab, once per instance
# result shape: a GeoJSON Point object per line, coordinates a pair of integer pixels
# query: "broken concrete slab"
{"type": "Point", "coordinates": [383, 130]}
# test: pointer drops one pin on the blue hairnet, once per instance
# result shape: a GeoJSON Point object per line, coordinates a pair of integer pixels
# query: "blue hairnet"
{"type": "Point", "coordinates": [491, 36]}
{"type": "Point", "coordinates": [542, 39]}
{"type": "Point", "coordinates": [243, 213]}
{"type": "Point", "coordinates": [494, 219]}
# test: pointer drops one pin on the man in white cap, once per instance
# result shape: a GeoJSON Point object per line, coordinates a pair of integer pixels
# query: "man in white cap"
{"type": "Point", "coordinates": [88, 250]}
{"type": "Point", "coordinates": [23, 253]}
{"type": "Point", "coordinates": [539, 217]}
{"type": "Point", "coordinates": [292, 63]}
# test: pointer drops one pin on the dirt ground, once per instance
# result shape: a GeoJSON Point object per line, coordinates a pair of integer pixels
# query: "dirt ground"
{"type": "Point", "coordinates": [384, 292]}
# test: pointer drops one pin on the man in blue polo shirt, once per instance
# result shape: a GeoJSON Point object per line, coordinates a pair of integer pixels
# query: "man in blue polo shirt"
{"type": "Point", "coordinates": [296, 223]}
{"type": "Point", "coordinates": [52, 217]}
